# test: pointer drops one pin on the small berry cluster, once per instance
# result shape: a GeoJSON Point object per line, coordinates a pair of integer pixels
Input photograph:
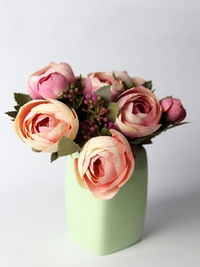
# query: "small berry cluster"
{"type": "Point", "coordinates": [96, 116]}
{"type": "Point", "coordinates": [73, 96]}
{"type": "Point", "coordinates": [72, 92]}
{"type": "Point", "coordinates": [93, 101]}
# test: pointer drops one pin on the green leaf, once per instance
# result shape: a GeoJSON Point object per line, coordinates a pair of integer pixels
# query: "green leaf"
{"type": "Point", "coordinates": [79, 102]}
{"type": "Point", "coordinates": [79, 81]}
{"type": "Point", "coordinates": [21, 99]}
{"type": "Point", "coordinates": [114, 75]}
{"type": "Point", "coordinates": [71, 86]}
{"type": "Point", "coordinates": [105, 131]}
{"type": "Point", "coordinates": [178, 124]}
{"type": "Point", "coordinates": [104, 92]}
{"type": "Point", "coordinates": [54, 156]}
{"type": "Point", "coordinates": [17, 107]}
{"type": "Point", "coordinates": [148, 84]}
{"type": "Point", "coordinates": [131, 85]}
{"type": "Point", "coordinates": [166, 127]}
{"type": "Point", "coordinates": [134, 149]}
{"type": "Point", "coordinates": [113, 111]}
{"type": "Point", "coordinates": [67, 147]}
{"type": "Point", "coordinates": [12, 114]}
{"type": "Point", "coordinates": [148, 139]}
{"type": "Point", "coordinates": [128, 86]}
{"type": "Point", "coordinates": [142, 140]}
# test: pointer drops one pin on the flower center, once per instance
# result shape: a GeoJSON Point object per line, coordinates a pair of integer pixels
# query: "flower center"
{"type": "Point", "coordinates": [141, 107]}
{"type": "Point", "coordinates": [42, 123]}
{"type": "Point", "coordinates": [96, 166]}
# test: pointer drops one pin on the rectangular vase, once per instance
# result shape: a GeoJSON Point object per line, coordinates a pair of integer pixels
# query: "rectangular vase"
{"type": "Point", "coordinates": [106, 226]}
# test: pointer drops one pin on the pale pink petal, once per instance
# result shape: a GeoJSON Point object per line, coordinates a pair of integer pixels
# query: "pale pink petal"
{"type": "Point", "coordinates": [80, 181]}
{"type": "Point", "coordinates": [121, 138]}
{"type": "Point", "coordinates": [138, 81]}
{"type": "Point", "coordinates": [123, 76]}
{"type": "Point", "coordinates": [129, 172]}
{"type": "Point", "coordinates": [52, 86]}
{"type": "Point", "coordinates": [166, 103]}
{"type": "Point", "coordinates": [126, 129]}
{"type": "Point", "coordinates": [107, 194]}
{"type": "Point", "coordinates": [94, 187]}
{"type": "Point", "coordinates": [88, 88]}
{"type": "Point", "coordinates": [63, 68]}
{"type": "Point", "coordinates": [110, 173]}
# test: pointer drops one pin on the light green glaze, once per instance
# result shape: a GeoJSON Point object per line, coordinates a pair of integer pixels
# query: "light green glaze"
{"type": "Point", "coordinates": [105, 226]}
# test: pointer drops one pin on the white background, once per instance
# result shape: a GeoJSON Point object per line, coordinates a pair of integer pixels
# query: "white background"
{"type": "Point", "coordinates": [159, 40]}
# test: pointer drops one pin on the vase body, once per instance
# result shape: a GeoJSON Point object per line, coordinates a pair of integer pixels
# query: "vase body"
{"type": "Point", "coordinates": [106, 226]}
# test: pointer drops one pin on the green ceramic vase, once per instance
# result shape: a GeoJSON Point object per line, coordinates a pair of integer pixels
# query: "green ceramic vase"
{"type": "Point", "coordinates": [106, 226]}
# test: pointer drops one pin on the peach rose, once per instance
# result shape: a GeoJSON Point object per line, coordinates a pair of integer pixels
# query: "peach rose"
{"type": "Point", "coordinates": [139, 112]}
{"type": "Point", "coordinates": [41, 123]}
{"type": "Point", "coordinates": [94, 81]}
{"type": "Point", "coordinates": [51, 81]}
{"type": "Point", "coordinates": [104, 164]}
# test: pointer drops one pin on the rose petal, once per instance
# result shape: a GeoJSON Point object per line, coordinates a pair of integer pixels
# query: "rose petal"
{"type": "Point", "coordinates": [107, 194]}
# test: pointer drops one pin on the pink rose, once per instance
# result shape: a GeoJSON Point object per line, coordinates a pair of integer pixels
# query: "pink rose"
{"type": "Point", "coordinates": [41, 123]}
{"type": "Point", "coordinates": [51, 81]}
{"type": "Point", "coordinates": [104, 165]}
{"type": "Point", "coordinates": [175, 111]}
{"type": "Point", "coordinates": [94, 81]}
{"type": "Point", "coordinates": [139, 112]}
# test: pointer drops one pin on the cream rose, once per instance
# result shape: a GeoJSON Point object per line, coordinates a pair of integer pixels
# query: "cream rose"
{"type": "Point", "coordinates": [41, 123]}
{"type": "Point", "coordinates": [96, 80]}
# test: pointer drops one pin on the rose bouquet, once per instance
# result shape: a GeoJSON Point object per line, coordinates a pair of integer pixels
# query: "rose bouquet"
{"type": "Point", "coordinates": [106, 117]}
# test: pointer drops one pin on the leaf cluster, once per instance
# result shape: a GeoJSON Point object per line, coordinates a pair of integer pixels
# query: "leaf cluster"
{"type": "Point", "coordinates": [112, 107]}
{"type": "Point", "coordinates": [65, 147]}
{"type": "Point", "coordinates": [21, 99]}
{"type": "Point", "coordinates": [146, 140]}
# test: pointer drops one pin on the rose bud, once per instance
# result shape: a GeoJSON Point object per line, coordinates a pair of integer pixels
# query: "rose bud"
{"type": "Point", "coordinates": [51, 81]}
{"type": "Point", "coordinates": [41, 124]}
{"type": "Point", "coordinates": [104, 165]}
{"type": "Point", "coordinates": [174, 109]}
